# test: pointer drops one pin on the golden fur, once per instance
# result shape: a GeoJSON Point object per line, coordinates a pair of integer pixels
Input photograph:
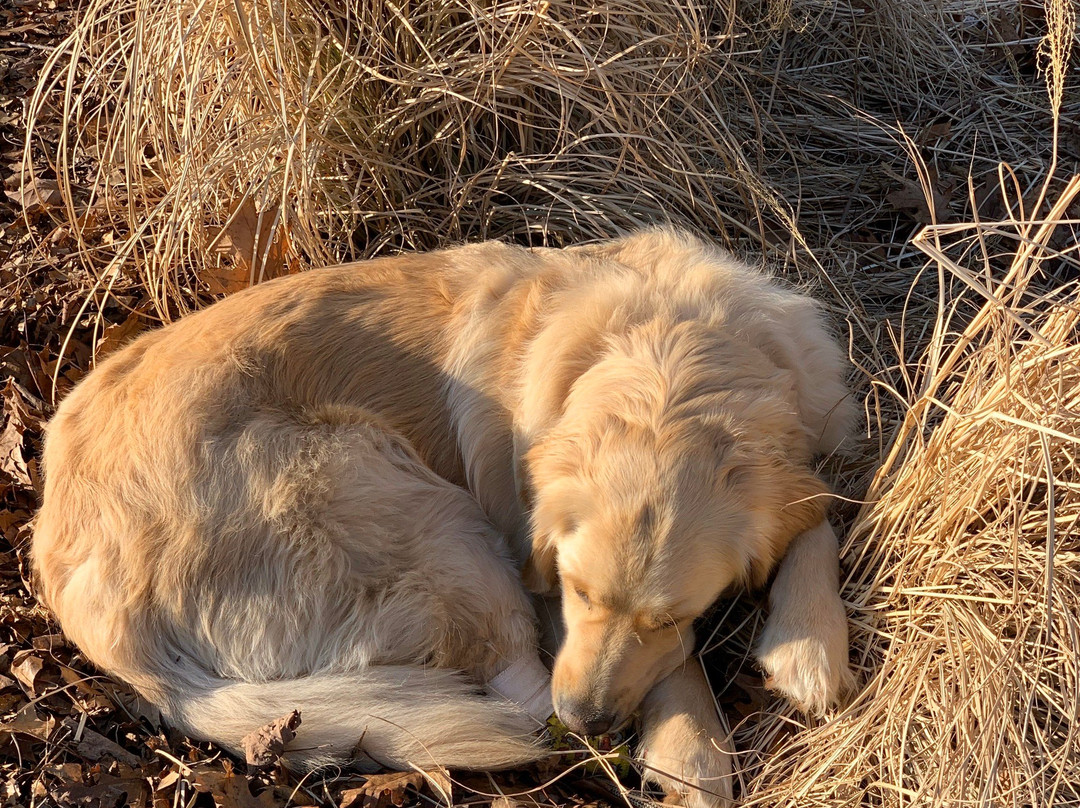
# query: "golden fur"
{"type": "Point", "coordinates": [263, 506]}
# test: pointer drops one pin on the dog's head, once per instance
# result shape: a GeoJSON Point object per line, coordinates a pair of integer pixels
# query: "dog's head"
{"type": "Point", "coordinates": [645, 508]}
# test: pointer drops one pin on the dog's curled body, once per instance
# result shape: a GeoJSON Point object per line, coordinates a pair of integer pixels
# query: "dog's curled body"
{"type": "Point", "coordinates": [256, 508]}
{"type": "Point", "coordinates": [235, 557]}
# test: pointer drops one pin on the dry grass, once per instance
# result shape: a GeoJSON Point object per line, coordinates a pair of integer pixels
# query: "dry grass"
{"type": "Point", "coordinates": [964, 572]}
{"type": "Point", "coordinates": [360, 127]}
{"type": "Point", "coordinates": [823, 134]}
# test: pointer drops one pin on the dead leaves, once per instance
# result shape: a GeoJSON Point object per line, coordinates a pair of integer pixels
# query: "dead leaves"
{"type": "Point", "coordinates": [70, 786]}
{"type": "Point", "coordinates": [229, 789]}
{"type": "Point", "coordinates": [95, 747]}
{"type": "Point", "coordinates": [928, 204]}
{"type": "Point", "coordinates": [18, 419]}
{"type": "Point", "coordinates": [115, 335]}
{"type": "Point", "coordinates": [383, 790]}
{"type": "Point", "coordinates": [27, 721]}
{"type": "Point", "coordinates": [257, 242]}
{"type": "Point", "coordinates": [25, 666]}
{"type": "Point", "coordinates": [265, 746]}
{"type": "Point", "coordinates": [112, 793]}
{"type": "Point", "coordinates": [88, 694]}
{"type": "Point", "coordinates": [33, 195]}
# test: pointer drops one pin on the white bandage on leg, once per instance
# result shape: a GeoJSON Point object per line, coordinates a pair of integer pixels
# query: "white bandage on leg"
{"type": "Point", "coordinates": [527, 683]}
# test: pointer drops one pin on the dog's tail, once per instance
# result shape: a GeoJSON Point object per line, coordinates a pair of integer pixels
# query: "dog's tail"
{"type": "Point", "coordinates": [387, 716]}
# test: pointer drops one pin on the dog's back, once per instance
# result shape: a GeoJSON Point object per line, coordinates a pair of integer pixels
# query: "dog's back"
{"type": "Point", "coordinates": [236, 550]}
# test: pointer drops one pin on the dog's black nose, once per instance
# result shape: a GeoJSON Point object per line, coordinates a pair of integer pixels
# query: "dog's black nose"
{"type": "Point", "coordinates": [587, 722]}
{"type": "Point", "coordinates": [598, 725]}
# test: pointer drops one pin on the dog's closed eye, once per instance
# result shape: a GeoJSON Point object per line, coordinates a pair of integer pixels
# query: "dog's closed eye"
{"type": "Point", "coordinates": [661, 622]}
{"type": "Point", "coordinates": [581, 593]}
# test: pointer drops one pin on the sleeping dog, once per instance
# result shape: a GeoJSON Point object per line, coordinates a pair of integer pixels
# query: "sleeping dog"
{"type": "Point", "coordinates": [321, 494]}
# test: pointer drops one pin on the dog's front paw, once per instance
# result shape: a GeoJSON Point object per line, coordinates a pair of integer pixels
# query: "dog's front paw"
{"type": "Point", "coordinates": [805, 656]}
{"type": "Point", "coordinates": [690, 765]}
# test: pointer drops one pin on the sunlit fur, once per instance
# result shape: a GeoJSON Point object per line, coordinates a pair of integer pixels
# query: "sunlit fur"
{"type": "Point", "coordinates": [677, 467]}
{"type": "Point", "coordinates": [253, 509]}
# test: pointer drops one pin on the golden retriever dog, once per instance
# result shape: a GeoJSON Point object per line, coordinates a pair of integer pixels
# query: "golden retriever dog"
{"type": "Point", "coordinates": [320, 494]}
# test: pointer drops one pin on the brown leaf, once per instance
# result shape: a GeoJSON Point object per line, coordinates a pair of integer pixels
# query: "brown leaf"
{"type": "Point", "coordinates": [236, 793]}
{"type": "Point", "coordinates": [66, 772]}
{"type": "Point", "coordinates": [116, 335]}
{"type": "Point", "coordinates": [25, 666]}
{"type": "Point", "coordinates": [36, 195]}
{"type": "Point", "coordinates": [264, 746]}
{"type": "Point", "coordinates": [282, 796]}
{"type": "Point", "coordinates": [10, 522]}
{"type": "Point", "coordinates": [103, 795]}
{"type": "Point", "coordinates": [168, 780]}
{"type": "Point", "coordinates": [26, 722]}
{"type": "Point", "coordinates": [506, 802]}
{"type": "Point", "coordinates": [164, 792]}
{"type": "Point", "coordinates": [381, 790]}
{"type": "Point", "coordinates": [13, 460]}
{"type": "Point", "coordinates": [228, 789]}
{"type": "Point", "coordinates": [911, 198]}
{"type": "Point", "coordinates": [934, 132]}
{"type": "Point", "coordinates": [9, 792]}
{"type": "Point", "coordinates": [257, 246]}
{"type": "Point", "coordinates": [49, 642]}
{"type": "Point", "coordinates": [94, 746]}
{"type": "Point", "coordinates": [90, 697]}
{"type": "Point", "coordinates": [132, 703]}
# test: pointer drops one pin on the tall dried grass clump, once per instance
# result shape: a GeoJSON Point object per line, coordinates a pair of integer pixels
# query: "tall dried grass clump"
{"type": "Point", "coordinates": [342, 129]}
{"type": "Point", "coordinates": [965, 568]}
{"type": "Point", "coordinates": [356, 126]}
{"type": "Point", "coordinates": [227, 140]}
{"type": "Point", "coordinates": [964, 565]}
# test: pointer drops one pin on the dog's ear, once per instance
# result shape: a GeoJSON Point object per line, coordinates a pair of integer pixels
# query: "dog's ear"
{"type": "Point", "coordinates": [541, 573]}
{"type": "Point", "coordinates": [556, 500]}
{"type": "Point", "coordinates": [557, 358]}
{"type": "Point", "coordinates": [795, 502]}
